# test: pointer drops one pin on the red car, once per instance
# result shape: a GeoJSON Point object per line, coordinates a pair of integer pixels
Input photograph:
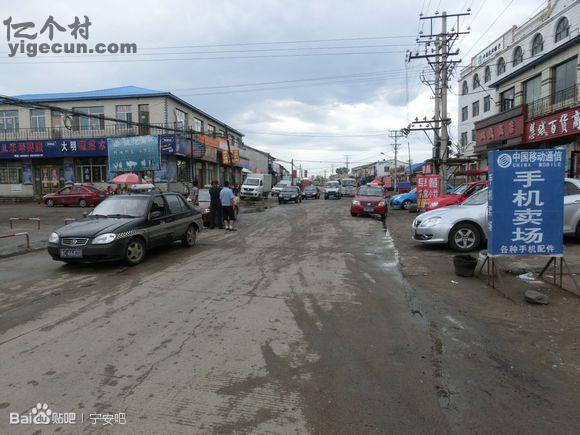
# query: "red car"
{"type": "Point", "coordinates": [369, 200]}
{"type": "Point", "coordinates": [457, 196]}
{"type": "Point", "coordinates": [75, 195]}
{"type": "Point", "coordinates": [203, 200]}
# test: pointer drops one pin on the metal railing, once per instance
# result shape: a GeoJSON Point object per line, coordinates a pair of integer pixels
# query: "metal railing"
{"type": "Point", "coordinates": [564, 99]}
{"type": "Point", "coordinates": [106, 129]}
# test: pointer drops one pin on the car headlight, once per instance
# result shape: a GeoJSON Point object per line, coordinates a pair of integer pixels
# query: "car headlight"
{"type": "Point", "coordinates": [53, 238]}
{"type": "Point", "coordinates": [103, 239]}
{"type": "Point", "coordinates": [355, 202]}
{"type": "Point", "coordinates": [206, 210]}
{"type": "Point", "coordinates": [431, 222]}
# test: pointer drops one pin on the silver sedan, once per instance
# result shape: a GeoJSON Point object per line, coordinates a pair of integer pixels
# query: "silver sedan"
{"type": "Point", "coordinates": [464, 226]}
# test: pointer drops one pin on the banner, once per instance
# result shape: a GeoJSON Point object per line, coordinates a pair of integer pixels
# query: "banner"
{"type": "Point", "coordinates": [526, 202]}
{"type": "Point", "coordinates": [130, 154]}
{"type": "Point", "coordinates": [428, 187]}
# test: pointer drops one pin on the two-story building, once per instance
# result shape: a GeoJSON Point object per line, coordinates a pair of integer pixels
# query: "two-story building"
{"type": "Point", "coordinates": [531, 81]}
{"type": "Point", "coordinates": [43, 149]}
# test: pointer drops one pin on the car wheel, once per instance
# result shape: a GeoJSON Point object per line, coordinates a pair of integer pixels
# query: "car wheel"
{"type": "Point", "coordinates": [83, 203]}
{"type": "Point", "coordinates": [464, 237]}
{"type": "Point", "coordinates": [50, 203]}
{"type": "Point", "coordinates": [406, 204]}
{"type": "Point", "coordinates": [190, 237]}
{"type": "Point", "coordinates": [135, 252]}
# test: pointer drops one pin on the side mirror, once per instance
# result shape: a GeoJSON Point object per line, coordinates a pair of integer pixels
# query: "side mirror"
{"type": "Point", "coordinates": [155, 215]}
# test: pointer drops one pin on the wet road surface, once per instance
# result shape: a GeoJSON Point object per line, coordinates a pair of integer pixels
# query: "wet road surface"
{"type": "Point", "coordinates": [299, 322]}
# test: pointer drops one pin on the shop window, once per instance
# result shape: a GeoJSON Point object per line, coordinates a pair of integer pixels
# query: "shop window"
{"type": "Point", "coordinates": [532, 89]}
{"type": "Point", "coordinates": [486, 103]}
{"type": "Point", "coordinates": [37, 120]}
{"type": "Point", "coordinates": [562, 29]}
{"type": "Point", "coordinates": [9, 120]}
{"type": "Point", "coordinates": [564, 81]}
{"type": "Point", "coordinates": [10, 172]}
{"type": "Point", "coordinates": [94, 122]}
{"type": "Point", "coordinates": [123, 113]}
{"type": "Point", "coordinates": [507, 99]}
{"type": "Point", "coordinates": [475, 108]}
{"type": "Point", "coordinates": [537, 44]}
{"type": "Point", "coordinates": [487, 74]}
{"type": "Point", "coordinates": [91, 170]}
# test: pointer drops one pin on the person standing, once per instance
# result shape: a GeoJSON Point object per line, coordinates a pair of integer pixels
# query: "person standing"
{"type": "Point", "coordinates": [215, 206]}
{"type": "Point", "coordinates": [194, 193]}
{"type": "Point", "coordinates": [227, 199]}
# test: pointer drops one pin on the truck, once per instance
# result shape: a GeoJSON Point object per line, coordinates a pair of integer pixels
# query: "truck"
{"type": "Point", "coordinates": [256, 186]}
{"type": "Point", "coordinates": [348, 186]}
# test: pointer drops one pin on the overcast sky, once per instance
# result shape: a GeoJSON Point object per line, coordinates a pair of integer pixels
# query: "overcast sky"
{"type": "Point", "coordinates": [346, 110]}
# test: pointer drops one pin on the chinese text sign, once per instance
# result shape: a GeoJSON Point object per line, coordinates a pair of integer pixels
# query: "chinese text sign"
{"type": "Point", "coordinates": [129, 154]}
{"type": "Point", "coordinates": [526, 200]}
{"type": "Point", "coordinates": [428, 187]}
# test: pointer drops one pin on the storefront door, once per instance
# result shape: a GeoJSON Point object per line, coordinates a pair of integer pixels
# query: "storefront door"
{"type": "Point", "coordinates": [48, 179]}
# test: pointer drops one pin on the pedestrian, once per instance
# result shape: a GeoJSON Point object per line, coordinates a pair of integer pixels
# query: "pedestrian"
{"type": "Point", "coordinates": [215, 205]}
{"type": "Point", "coordinates": [194, 192]}
{"type": "Point", "coordinates": [227, 199]}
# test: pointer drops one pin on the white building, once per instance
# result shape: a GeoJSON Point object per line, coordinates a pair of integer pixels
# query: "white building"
{"type": "Point", "coordinates": [525, 50]}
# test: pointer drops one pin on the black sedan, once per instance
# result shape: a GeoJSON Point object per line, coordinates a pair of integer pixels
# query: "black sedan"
{"type": "Point", "coordinates": [311, 192]}
{"type": "Point", "coordinates": [290, 194]}
{"type": "Point", "coordinates": [124, 227]}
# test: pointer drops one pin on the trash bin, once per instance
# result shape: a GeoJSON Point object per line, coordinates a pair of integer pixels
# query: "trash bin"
{"type": "Point", "coordinates": [464, 265]}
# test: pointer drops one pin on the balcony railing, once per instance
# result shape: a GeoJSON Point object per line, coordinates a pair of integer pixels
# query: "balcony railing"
{"type": "Point", "coordinates": [564, 99]}
{"type": "Point", "coordinates": [105, 130]}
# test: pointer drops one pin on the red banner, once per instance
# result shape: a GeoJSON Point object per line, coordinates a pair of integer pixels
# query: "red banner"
{"type": "Point", "coordinates": [428, 187]}
{"type": "Point", "coordinates": [501, 131]}
{"type": "Point", "coordinates": [550, 127]}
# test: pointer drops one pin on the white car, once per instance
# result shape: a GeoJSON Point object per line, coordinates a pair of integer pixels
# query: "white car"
{"type": "Point", "coordinates": [464, 226]}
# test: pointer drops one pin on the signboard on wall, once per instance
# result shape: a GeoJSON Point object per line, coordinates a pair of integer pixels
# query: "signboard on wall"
{"type": "Point", "coordinates": [130, 154]}
{"type": "Point", "coordinates": [501, 131]}
{"type": "Point", "coordinates": [428, 187]}
{"type": "Point", "coordinates": [554, 126]}
{"type": "Point", "coordinates": [526, 201]}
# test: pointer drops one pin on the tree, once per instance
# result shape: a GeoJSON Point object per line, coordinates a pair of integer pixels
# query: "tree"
{"type": "Point", "coordinates": [342, 171]}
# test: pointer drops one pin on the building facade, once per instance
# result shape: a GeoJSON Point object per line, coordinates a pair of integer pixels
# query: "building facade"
{"type": "Point", "coordinates": [527, 75]}
{"type": "Point", "coordinates": [41, 150]}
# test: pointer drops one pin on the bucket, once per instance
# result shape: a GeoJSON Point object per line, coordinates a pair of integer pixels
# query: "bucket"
{"type": "Point", "coordinates": [464, 265]}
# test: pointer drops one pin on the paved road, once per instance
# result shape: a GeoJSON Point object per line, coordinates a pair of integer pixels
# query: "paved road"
{"type": "Point", "coordinates": [299, 322]}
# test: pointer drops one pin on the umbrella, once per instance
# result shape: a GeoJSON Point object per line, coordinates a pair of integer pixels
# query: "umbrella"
{"type": "Point", "coordinates": [129, 178]}
{"type": "Point", "coordinates": [377, 181]}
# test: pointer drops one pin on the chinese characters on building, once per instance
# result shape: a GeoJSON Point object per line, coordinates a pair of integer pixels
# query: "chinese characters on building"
{"type": "Point", "coordinates": [561, 124]}
{"type": "Point", "coordinates": [428, 188]}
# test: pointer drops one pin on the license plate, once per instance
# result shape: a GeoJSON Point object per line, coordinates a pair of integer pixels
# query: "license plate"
{"type": "Point", "coordinates": [71, 253]}
{"type": "Point", "coordinates": [369, 209]}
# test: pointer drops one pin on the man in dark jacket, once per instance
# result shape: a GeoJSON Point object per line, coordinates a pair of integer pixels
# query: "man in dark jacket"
{"type": "Point", "coordinates": [215, 205]}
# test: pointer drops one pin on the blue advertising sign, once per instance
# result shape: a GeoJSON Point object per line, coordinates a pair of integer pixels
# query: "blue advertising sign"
{"type": "Point", "coordinates": [137, 153]}
{"type": "Point", "coordinates": [94, 147]}
{"type": "Point", "coordinates": [526, 202]}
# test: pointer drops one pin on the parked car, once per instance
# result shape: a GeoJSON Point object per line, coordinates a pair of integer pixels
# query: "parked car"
{"type": "Point", "coordinates": [75, 195]}
{"type": "Point", "coordinates": [459, 195]}
{"type": "Point", "coordinates": [279, 187]}
{"type": "Point", "coordinates": [464, 226]}
{"type": "Point", "coordinates": [290, 194]}
{"type": "Point", "coordinates": [404, 200]}
{"type": "Point", "coordinates": [125, 227]}
{"type": "Point", "coordinates": [203, 200]}
{"type": "Point", "coordinates": [332, 190]}
{"type": "Point", "coordinates": [369, 200]}
{"type": "Point", "coordinates": [311, 191]}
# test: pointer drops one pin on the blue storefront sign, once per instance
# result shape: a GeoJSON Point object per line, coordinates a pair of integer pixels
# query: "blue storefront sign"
{"type": "Point", "coordinates": [137, 153]}
{"type": "Point", "coordinates": [526, 200]}
{"type": "Point", "coordinates": [95, 147]}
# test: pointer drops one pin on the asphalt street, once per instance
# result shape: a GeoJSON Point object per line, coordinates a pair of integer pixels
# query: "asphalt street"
{"type": "Point", "coordinates": [300, 322]}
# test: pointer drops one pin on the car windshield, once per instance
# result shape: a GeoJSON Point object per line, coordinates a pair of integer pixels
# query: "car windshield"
{"type": "Point", "coordinates": [311, 188]}
{"type": "Point", "coordinates": [289, 190]}
{"type": "Point", "coordinates": [461, 189]}
{"type": "Point", "coordinates": [203, 196]}
{"type": "Point", "coordinates": [478, 198]}
{"type": "Point", "coordinates": [252, 182]}
{"type": "Point", "coordinates": [414, 190]}
{"type": "Point", "coordinates": [332, 185]}
{"type": "Point", "coordinates": [122, 206]}
{"type": "Point", "coordinates": [370, 191]}
{"type": "Point", "coordinates": [348, 183]}
{"type": "Point", "coordinates": [281, 185]}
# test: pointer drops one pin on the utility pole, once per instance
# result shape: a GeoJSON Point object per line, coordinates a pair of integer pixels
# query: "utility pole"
{"type": "Point", "coordinates": [346, 158]}
{"type": "Point", "coordinates": [395, 135]}
{"type": "Point", "coordinates": [292, 173]}
{"type": "Point", "coordinates": [441, 66]}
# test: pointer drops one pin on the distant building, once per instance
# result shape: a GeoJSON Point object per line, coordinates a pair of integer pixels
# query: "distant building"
{"type": "Point", "coordinates": [522, 90]}
{"type": "Point", "coordinates": [41, 150]}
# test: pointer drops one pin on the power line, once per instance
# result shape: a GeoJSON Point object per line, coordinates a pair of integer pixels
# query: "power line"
{"type": "Point", "coordinates": [490, 26]}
